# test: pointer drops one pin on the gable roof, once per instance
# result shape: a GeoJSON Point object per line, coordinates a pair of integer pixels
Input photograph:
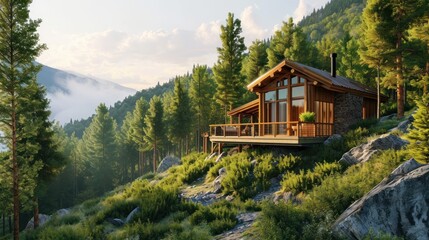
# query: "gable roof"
{"type": "Point", "coordinates": [338, 83]}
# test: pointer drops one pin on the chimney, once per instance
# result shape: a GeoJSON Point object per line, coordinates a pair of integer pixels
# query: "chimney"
{"type": "Point", "coordinates": [333, 64]}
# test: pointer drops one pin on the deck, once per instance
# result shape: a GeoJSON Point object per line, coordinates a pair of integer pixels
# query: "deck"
{"type": "Point", "coordinates": [275, 133]}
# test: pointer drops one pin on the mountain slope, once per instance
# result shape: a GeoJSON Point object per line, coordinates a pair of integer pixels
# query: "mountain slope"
{"type": "Point", "coordinates": [73, 96]}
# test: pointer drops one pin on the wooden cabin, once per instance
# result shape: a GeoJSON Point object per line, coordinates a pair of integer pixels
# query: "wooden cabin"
{"type": "Point", "coordinates": [285, 92]}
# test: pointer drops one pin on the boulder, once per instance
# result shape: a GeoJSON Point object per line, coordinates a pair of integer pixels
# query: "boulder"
{"type": "Point", "coordinates": [167, 163]}
{"type": "Point", "coordinates": [117, 222]}
{"type": "Point", "coordinates": [132, 214]}
{"type": "Point", "coordinates": [402, 126]}
{"type": "Point", "coordinates": [364, 152]}
{"type": "Point", "coordinates": [397, 206]}
{"type": "Point", "coordinates": [222, 171]}
{"type": "Point", "coordinates": [388, 117]}
{"type": "Point", "coordinates": [42, 220]}
{"type": "Point", "coordinates": [217, 185]}
{"type": "Point", "coordinates": [62, 212]}
{"type": "Point", "coordinates": [332, 138]}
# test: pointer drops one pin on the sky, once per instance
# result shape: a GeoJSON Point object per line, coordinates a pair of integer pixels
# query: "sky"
{"type": "Point", "coordinates": [138, 43]}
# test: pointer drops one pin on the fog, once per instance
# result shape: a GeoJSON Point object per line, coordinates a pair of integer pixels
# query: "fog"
{"type": "Point", "coordinates": [82, 97]}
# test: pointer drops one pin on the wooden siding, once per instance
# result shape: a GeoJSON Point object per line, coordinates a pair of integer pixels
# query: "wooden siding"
{"type": "Point", "coordinates": [369, 108]}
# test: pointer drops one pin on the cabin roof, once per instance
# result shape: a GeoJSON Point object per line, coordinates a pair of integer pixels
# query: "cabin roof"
{"type": "Point", "coordinates": [248, 108]}
{"type": "Point", "coordinates": [338, 83]}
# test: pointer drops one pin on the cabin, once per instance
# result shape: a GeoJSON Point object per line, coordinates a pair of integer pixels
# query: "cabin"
{"type": "Point", "coordinates": [286, 91]}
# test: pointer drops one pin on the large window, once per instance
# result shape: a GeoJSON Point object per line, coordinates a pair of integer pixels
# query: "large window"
{"type": "Point", "coordinates": [289, 90]}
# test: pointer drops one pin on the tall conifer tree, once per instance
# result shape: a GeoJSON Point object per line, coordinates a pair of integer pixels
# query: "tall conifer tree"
{"type": "Point", "coordinates": [388, 22]}
{"type": "Point", "coordinates": [181, 115]}
{"type": "Point", "coordinates": [19, 46]}
{"type": "Point", "coordinates": [227, 70]}
{"type": "Point", "coordinates": [136, 129]}
{"type": "Point", "coordinates": [100, 149]}
{"type": "Point", "coordinates": [154, 129]}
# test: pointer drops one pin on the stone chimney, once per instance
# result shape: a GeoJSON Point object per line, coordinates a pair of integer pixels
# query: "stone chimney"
{"type": "Point", "coordinates": [333, 64]}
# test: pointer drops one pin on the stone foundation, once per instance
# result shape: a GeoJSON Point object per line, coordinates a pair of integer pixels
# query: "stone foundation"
{"type": "Point", "coordinates": [348, 111]}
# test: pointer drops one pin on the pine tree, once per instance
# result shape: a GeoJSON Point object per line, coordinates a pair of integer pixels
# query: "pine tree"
{"type": "Point", "coordinates": [419, 135]}
{"type": "Point", "coordinates": [200, 91]}
{"type": "Point", "coordinates": [136, 129]}
{"type": "Point", "coordinates": [100, 149]}
{"type": "Point", "coordinates": [35, 108]}
{"type": "Point", "coordinates": [257, 60]}
{"type": "Point", "coordinates": [128, 149]}
{"type": "Point", "coordinates": [227, 70]}
{"type": "Point", "coordinates": [154, 129]}
{"type": "Point", "coordinates": [388, 23]}
{"type": "Point", "coordinates": [18, 49]}
{"type": "Point", "coordinates": [281, 40]}
{"type": "Point", "coordinates": [181, 123]}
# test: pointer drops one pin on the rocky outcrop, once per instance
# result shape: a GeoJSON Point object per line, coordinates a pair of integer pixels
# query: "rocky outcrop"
{"type": "Point", "coordinates": [167, 163]}
{"type": "Point", "coordinates": [42, 220]}
{"type": "Point", "coordinates": [398, 206]}
{"type": "Point", "coordinates": [364, 152]}
{"type": "Point", "coordinates": [217, 183]}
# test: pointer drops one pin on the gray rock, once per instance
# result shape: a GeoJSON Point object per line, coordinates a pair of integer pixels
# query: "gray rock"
{"type": "Point", "coordinates": [217, 185]}
{"type": "Point", "coordinates": [398, 206]}
{"type": "Point", "coordinates": [388, 117]}
{"type": "Point", "coordinates": [364, 152]}
{"type": "Point", "coordinates": [42, 220]}
{"type": "Point", "coordinates": [222, 155]}
{"type": "Point", "coordinates": [116, 222]}
{"type": "Point", "coordinates": [332, 138]}
{"type": "Point", "coordinates": [229, 198]}
{"type": "Point", "coordinates": [402, 126]}
{"type": "Point", "coordinates": [222, 171]}
{"type": "Point", "coordinates": [62, 212]}
{"type": "Point", "coordinates": [167, 163]}
{"type": "Point", "coordinates": [132, 214]}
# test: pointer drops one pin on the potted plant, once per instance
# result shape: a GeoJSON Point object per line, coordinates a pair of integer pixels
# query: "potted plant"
{"type": "Point", "coordinates": [307, 117]}
{"type": "Point", "coordinates": [307, 126]}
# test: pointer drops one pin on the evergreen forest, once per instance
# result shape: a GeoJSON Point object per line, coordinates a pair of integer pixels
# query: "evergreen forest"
{"type": "Point", "coordinates": [103, 167]}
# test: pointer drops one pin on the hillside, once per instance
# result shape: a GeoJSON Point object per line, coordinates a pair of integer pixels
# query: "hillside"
{"type": "Point", "coordinates": [182, 202]}
{"type": "Point", "coordinates": [72, 96]}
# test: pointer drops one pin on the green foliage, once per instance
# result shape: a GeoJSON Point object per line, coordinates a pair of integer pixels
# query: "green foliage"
{"type": "Point", "coordinates": [219, 217]}
{"type": "Point", "coordinates": [281, 221]}
{"type": "Point", "coordinates": [227, 70]}
{"type": "Point", "coordinates": [419, 134]}
{"type": "Point", "coordinates": [155, 129]}
{"type": "Point", "coordinates": [337, 192]}
{"type": "Point", "coordinates": [66, 232]}
{"type": "Point", "coordinates": [306, 180]}
{"type": "Point", "coordinates": [307, 117]}
{"type": "Point", "coordinates": [239, 178]}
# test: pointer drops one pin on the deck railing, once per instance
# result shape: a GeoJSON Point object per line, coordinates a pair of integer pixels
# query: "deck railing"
{"type": "Point", "coordinates": [298, 129]}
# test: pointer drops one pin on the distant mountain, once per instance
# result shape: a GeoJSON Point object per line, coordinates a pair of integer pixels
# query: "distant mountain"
{"type": "Point", "coordinates": [73, 96]}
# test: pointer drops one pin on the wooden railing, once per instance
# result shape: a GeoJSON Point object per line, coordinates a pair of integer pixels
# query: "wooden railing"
{"type": "Point", "coordinates": [299, 129]}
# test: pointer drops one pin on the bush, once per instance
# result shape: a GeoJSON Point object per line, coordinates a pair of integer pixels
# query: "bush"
{"type": "Point", "coordinates": [219, 217]}
{"type": "Point", "coordinates": [239, 179]}
{"type": "Point", "coordinates": [56, 233]}
{"type": "Point", "coordinates": [281, 221]}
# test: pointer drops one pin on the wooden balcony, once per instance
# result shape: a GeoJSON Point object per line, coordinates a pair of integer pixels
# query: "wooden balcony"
{"type": "Point", "coordinates": [273, 133]}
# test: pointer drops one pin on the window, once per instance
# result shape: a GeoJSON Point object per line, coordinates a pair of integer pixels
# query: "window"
{"type": "Point", "coordinates": [283, 93]}
{"type": "Point", "coordinates": [270, 96]}
{"type": "Point", "coordinates": [297, 108]}
{"type": "Point", "coordinates": [298, 91]}
{"type": "Point", "coordinates": [294, 80]}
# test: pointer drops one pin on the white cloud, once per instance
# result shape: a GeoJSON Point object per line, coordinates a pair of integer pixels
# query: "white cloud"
{"type": "Point", "coordinates": [305, 7]}
{"type": "Point", "coordinates": [251, 29]}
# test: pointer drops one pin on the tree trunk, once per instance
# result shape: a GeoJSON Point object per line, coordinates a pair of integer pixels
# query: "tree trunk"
{"type": "Point", "coordinates": [399, 79]}
{"type": "Point", "coordinates": [154, 157]}
{"type": "Point", "coordinates": [10, 224]}
{"type": "Point", "coordinates": [15, 174]}
{"type": "Point", "coordinates": [3, 224]}
{"type": "Point", "coordinates": [378, 92]}
{"type": "Point", "coordinates": [36, 212]}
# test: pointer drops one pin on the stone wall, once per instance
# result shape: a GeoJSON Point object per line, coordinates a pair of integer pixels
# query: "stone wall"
{"type": "Point", "coordinates": [347, 111]}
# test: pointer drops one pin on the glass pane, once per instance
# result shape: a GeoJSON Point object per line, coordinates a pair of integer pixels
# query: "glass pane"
{"type": "Point", "coordinates": [297, 108]}
{"type": "Point", "coordinates": [279, 83]}
{"type": "Point", "coordinates": [294, 80]}
{"type": "Point", "coordinates": [282, 111]}
{"type": "Point", "coordinates": [298, 91]}
{"type": "Point", "coordinates": [285, 82]}
{"type": "Point", "coordinates": [282, 93]}
{"type": "Point", "coordinates": [270, 96]}
{"type": "Point", "coordinates": [273, 112]}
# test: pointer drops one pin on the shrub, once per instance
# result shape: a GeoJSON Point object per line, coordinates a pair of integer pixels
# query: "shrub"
{"type": "Point", "coordinates": [56, 233]}
{"type": "Point", "coordinates": [281, 221]}
{"type": "Point", "coordinates": [239, 179]}
{"type": "Point", "coordinates": [219, 217]}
